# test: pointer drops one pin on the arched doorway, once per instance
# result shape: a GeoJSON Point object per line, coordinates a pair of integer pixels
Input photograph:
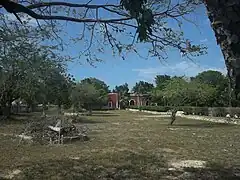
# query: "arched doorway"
{"type": "Point", "coordinates": [131, 102]}
{"type": "Point", "coordinates": [110, 104]}
{"type": "Point", "coordinates": [147, 103]}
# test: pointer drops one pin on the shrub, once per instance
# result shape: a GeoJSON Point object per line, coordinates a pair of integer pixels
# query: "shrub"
{"type": "Point", "coordinates": [152, 108]}
{"type": "Point", "coordinates": [187, 110]}
{"type": "Point", "coordinates": [233, 111]}
{"type": "Point", "coordinates": [202, 111]}
{"type": "Point", "coordinates": [218, 111]}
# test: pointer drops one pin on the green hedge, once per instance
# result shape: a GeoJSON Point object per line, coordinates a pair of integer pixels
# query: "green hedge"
{"type": "Point", "coordinates": [223, 111]}
{"type": "Point", "coordinates": [153, 108]}
{"type": "Point", "coordinates": [202, 111]}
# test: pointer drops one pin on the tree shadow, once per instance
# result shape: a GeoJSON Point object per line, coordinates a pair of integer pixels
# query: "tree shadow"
{"type": "Point", "coordinates": [105, 115]}
{"type": "Point", "coordinates": [124, 165]}
{"type": "Point", "coordinates": [86, 169]}
{"type": "Point", "coordinates": [213, 171]}
{"type": "Point", "coordinates": [88, 121]}
{"type": "Point", "coordinates": [203, 125]}
{"type": "Point", "coordinates": [84, 120]}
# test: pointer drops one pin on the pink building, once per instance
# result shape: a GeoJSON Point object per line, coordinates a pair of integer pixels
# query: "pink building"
{"type": "Point", "coordinates": [113, 100]}
{"type": "Point", "coordinates": [134, 100]}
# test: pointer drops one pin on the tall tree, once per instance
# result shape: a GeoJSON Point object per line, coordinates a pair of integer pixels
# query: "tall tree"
{"type": "Point", "coordinates": [87, 95]}
{"type": "Point", "coordinates": [97, 83]}
{"type": "Point", "coordinates": [211, 77]}
{"type": "Point", "coordinates": [148, 18]}
{"type": "Point", "coordinates": [142, 87]}
{"type": "Point", "coordinates": [123, 92]}
{"type": "Point", "coordinates": [224, 17]}
{"type": "Point", "coordinates": [217, 80]}
{"type": "Point", "coordinates": [123, 89]}
{"type": "Point", "coordinates": [161, 81]}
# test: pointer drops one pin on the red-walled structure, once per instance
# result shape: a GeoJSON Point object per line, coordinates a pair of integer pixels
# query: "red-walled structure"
{"type": "Point", "coordinates": [135, 100]}
{"type": "Point", "coordinates": [113, 101]}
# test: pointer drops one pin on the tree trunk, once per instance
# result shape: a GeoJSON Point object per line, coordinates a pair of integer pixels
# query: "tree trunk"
{"type": "Point", "coordinates": [59, 109]}
{"type": "Point", "coordinates": [224, 16]}
{"type": "Point", "coordinates": [44, 107]}
{"type": "Point", "coordinates": [6, 108]}
{"type": "Point", "coordinates": [89, 109]}
{"type": "Point", "coordinates": [173, 115]}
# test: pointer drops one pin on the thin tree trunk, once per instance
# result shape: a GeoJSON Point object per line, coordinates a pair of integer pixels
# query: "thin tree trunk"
{"type": "Point", "coordinates": [173, 115]}
{"type": "Point", "coordinates": [59, 109]}
{"type": "Point", "coordinates": [89, 109]}
{"type": "Point", "coordinates": [6, 110]}
{"type": "Point", "coordinates": [224, 16]}
{"type": "Point", "coordinates": [44, 110]}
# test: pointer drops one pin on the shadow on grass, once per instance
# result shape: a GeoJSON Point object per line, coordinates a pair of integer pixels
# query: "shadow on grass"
{"type": "Point", "coordinates": [202, 125]}
{"type": "Point", "coordinates": [120, 165]}
{"type": "Point", "coordinates": [128, 166]}
{"type": "Point", "coordinates": [212, 172]}
{"type": "Point", "coordinates": [16, 119]}
{"type": "Point", "coordinates": [105, 115]}
{"type": "Point", "coordinates": [87, 121]}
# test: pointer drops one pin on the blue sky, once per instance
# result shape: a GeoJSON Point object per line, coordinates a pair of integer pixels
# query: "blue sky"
{"type": "Point", "coordinates": [115, 71]}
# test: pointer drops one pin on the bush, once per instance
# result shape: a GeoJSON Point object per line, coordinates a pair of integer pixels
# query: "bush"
{"type": "Point", "coordinates": [233, 111]}
{"type": "Point", "coordinates": [218, 111]}
{"type": "Point", "coordinates": [187, 110]}
{"type": "Point", "coordinates": [152, 108]}
{"type": "Point", "coordinates": [202, 111]}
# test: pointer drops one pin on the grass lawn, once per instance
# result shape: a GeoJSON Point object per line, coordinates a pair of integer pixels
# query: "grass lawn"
{"type": "Point", "coordinates": [127, 145]}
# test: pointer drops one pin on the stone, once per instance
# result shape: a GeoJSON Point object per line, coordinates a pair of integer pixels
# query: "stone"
{"type": "Point", "coordinates": [188, 164]}
{"type": "Point", "coordinates": [171, 169]}
{"type": "Point", "coordinates": [13, 174]}
{"type": "Point", "coordinates": [228, 116]}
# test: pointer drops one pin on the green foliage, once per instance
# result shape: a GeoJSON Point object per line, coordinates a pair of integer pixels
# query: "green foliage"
{"type": "Point", "coordinates": [98, 84]}
{"type": "Point", "coordinates": [178, 92]}
{"type": "Point", "coordinates": [195, 110]}
{"type": "Point", "coordinates": [223, 111]}
{"type": "Point", "coordinates": [123, 90]}
{"type": "Point", "coordinates": [142, 87]}
{"type": "Point", "coordinates": [142, 14]}
{"type": "Point", "coordinates": [30, 70]}
{"type": "Point", "coordinates": [161, 81]}
{"type": "Point", "coordinates": [90, 93]}
{"type": "Point", "coordinates": [210, 77]}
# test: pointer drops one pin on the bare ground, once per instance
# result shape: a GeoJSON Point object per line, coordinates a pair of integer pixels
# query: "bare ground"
{"type": "Point", "coordinates": [127, 145]}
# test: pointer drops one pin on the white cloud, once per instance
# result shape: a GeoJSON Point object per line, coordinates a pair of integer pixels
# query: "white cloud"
{"type": "Point", "coordinates": [204, 40]}
{"type": "Point", "coordinates": [183, 68]}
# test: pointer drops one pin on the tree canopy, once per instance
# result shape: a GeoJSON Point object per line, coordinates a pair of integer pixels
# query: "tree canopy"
{"type": "Point", "coordinates": [90, 93]}
{"type": "Point", "coordinates": [139, 21]}
{"type": "Point", "coordinates": [142, 87]}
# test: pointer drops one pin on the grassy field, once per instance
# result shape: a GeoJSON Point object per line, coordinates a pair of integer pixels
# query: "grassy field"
{"type": "Point", "coordinates": [126, 145]}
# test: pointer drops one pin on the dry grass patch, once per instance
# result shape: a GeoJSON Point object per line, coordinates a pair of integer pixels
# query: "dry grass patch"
{"type": "Point", "coordinates": [124, 146]}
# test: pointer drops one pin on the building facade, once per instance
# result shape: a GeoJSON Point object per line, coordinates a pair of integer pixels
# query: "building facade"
{"type": "Point", "coordinates": [134, 100]}
{"type": "Point", "coordinates": [139, 100]}
{"type": "Point", "coordinates": [113, 101]}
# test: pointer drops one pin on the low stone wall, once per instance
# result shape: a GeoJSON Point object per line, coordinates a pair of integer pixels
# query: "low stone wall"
{"type": "Point", "coordinates": [195, 117]}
